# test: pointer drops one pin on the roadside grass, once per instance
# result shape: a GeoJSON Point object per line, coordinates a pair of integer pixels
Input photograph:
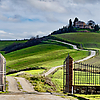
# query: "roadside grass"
{"type": "Point", "coordinates": [19, 85]}
{"type": "Point", "coordinates": [6, 43]}
{"type": "Point", "coordinates": [43, 55]}
{"type": "Point", "coordinates": [90, 97]}
{"type": "Point", "coordinates": [40, 83]}
{"type": "Point", "coordinates": [32, 72]}
{"type": "Point", "coordinates": [57, 79]}
{"type": "Point", "coordinates": [87, 39]}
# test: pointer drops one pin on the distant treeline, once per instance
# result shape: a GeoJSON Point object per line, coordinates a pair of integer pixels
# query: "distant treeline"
{"type": "Point", "coordinates": [30, 42]}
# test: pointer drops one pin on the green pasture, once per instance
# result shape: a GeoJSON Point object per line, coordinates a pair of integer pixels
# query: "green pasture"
{"type": "Point", "coordinates": [32, 72]}
{"type": "Point", "coordinates": [87, 39]}
{"type": "Point", "coordinates": [43, 55]}
{"type": "Point", "coordinates": [4, 44]}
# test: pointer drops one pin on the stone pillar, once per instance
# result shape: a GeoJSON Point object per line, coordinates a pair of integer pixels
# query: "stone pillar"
{"type": "Point", "coordinates": [2, 80]}
{"type": "Point", "coordinates": [69, 74]}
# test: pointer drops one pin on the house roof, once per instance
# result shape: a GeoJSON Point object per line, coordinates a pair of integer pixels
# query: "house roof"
{"type": "Point", "coordinates": [80, 22]}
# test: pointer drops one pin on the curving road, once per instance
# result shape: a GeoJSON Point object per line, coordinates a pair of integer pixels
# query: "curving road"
{"type": "Point", "coordinates": [93, 53]}
{"type": "Point", "coordinates": [13, 86]}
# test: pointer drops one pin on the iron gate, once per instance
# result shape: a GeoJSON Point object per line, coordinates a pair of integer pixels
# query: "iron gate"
{"type": "Point", "coordinates": [86, 78]}
{"type": "Point", "coordinates": [80, 78]}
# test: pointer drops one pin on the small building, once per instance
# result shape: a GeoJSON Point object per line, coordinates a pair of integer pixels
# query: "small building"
{"type": "Point", "coordinates": [80, 24]}
{"type": "Point", "coordinates": [91, 24]}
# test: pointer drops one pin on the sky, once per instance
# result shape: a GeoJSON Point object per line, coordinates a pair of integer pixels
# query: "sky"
{"type": "Point", "coordinates": [22, 19]}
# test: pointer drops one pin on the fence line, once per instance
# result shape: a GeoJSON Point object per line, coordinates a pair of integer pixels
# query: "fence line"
{"type": "Point", "coordinates": [86, 74]}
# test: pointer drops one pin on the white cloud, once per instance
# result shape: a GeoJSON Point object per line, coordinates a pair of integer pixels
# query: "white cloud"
{"type": "Point", "coordinates": [26, 18]}
{"type": "Point", "coordinates": [3, 32]}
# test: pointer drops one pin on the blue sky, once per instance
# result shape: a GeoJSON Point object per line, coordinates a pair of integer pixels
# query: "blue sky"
{"type": "Point", "coordinates": [21, 19]}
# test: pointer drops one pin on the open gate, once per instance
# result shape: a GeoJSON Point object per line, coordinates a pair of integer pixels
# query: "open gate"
{"type": "Point", "coordinates": [80, 77]}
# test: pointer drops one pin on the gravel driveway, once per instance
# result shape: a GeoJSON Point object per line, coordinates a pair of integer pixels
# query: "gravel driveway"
{"type": "Point", "coordinates": [32, 97]}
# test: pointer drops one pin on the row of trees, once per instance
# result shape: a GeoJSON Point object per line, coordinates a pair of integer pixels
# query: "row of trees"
{"type": "Point", "coordinates": [65, 29]}
{"type": "Point", "coordinates": [71, 28]}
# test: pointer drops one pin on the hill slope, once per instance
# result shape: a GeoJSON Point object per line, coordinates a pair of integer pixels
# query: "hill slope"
{"type": "Point", "coordinates": [43, 55]}
{"type": "Point", "coordinates": [88, 40]}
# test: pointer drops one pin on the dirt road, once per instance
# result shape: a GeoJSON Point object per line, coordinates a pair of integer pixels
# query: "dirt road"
{"type": "Point", "coordinates": [25, 84]}
{"type": "Point", "coordinates": [13, 86]}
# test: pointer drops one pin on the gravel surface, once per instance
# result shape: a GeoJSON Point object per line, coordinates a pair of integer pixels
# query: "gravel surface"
{"type": "Point", "coordinates": [12, 84]}
{"type": "Point", "coordinates": [25, 84]}
{"type": "Point", "coordinates": [33, 97]}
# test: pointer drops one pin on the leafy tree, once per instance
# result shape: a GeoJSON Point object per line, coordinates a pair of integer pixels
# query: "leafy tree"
{"type": "Point", "coordinates": [96, 27]}
{"type": "Point", "coordinates": [75, 20]}
{"type": "Point", "coordinates": [70, 23]}
{"type": "Point", "coordinates": [70, 27]}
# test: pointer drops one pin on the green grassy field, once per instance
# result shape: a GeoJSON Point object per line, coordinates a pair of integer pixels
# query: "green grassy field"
{"type": "Point", "coordinates": [43, 55]}
{"type": "Point", "coordinates": [32, 72]}
{"type": "Point", "coordinates": [4, 44]}
{"type": "Point", "coordinates": [57, 79]}
{"type": "Point", "coordinates": [88, 40]}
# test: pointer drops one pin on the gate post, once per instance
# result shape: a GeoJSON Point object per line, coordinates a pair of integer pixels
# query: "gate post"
{"type": "Point", "coordinates": [68, 75]}
{"type": "Point", "coordinates": [2, 73]}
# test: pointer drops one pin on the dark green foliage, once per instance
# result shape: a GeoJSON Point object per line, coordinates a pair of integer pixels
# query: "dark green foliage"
{"type": "Point", "coordinates": [70, 23]}
{"type": "Point", "coordinates": [75, 20]}
{"type": "Point", "coordinates": [18, 46]}
{"type": "Point", "coordinates": [96, 28]}
{"type": "Point", "coordinates": [70, 27]}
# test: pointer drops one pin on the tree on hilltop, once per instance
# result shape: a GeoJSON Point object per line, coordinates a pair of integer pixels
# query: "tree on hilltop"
{"type": "Point", "coordinates": [75, 20]}
{"type": "Point", "coordinates": [70, 27]}
{"type": "Point", "coordinates": [96, 27]}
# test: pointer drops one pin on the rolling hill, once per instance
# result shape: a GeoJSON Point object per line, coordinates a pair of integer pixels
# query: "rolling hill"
{"type": "Point", "coordinates": [87, 39]}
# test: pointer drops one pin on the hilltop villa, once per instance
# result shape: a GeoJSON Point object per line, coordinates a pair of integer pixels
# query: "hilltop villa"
{"type": "Point", "coordinates": [81, 24]}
